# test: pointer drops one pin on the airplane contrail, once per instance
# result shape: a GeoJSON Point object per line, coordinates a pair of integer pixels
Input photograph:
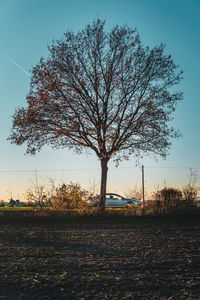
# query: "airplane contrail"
{"type": "Point", "coordinates": [11, 60]}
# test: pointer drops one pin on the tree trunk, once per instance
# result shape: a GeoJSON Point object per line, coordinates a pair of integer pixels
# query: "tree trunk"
{"type": "Point", "coordinates": [104, 171]}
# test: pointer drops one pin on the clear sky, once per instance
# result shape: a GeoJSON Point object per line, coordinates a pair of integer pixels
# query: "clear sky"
{"type": "Point", "coordinates": [28, 26]}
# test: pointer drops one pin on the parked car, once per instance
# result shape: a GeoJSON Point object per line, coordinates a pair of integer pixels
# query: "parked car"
{"type": "Point", "coordinates": [115, 200]}
{"type": "Point", "coordinates": [197, 203]}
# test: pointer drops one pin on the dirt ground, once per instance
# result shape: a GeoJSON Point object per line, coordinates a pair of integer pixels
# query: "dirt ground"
{"type": "Point", "coordinates": [140, 260]}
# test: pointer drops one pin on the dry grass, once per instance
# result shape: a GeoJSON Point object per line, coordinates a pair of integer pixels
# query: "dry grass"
{"type": "Point", "coordinates": [122, 215]}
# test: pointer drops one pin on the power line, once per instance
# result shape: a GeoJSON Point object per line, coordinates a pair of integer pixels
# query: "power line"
{"type": "Point", "coordinates": [193, 168]}
{"type": "Point", "coordinates": [35, 171]}
{"type": "Point", "coordinates": [92, 169]}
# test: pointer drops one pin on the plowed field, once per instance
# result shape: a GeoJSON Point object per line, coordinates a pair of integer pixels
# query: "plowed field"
{"type": "Point", "coordinates": [141, 260]}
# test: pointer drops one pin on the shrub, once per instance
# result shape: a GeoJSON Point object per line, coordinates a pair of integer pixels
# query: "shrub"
{"type": "Point", "coordinates": [134, 193]}
{"type": "Point", "coordinates": [167, 198]}
{"type": "Point", "coordinates": [190, 194]}
{"type": "Point", "coordinates": [69, 196]}
{"type": "Point", "coordinates": [2, 203]}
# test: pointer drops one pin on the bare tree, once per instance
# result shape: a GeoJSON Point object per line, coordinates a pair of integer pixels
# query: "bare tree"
{"type": "Point", "coordinates": [134, 192]}
{"type": "Point", "coordinates": [101, 91]}
{"type": "Point", "coordinates": [190, 191]}
{"type": "Point", "coordinates": [36, 192]}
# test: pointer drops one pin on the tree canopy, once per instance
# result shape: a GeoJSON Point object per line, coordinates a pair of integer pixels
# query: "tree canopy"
{"type": "Point", "coordinates": [102, 91]}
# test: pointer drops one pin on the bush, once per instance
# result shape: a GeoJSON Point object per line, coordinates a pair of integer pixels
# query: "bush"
{"type": "Point", "coordinates": [2, 203]}
{"type": "Point", "coordinates": [190, 191]}
{"type": "Point", "coordinates": [69, 196]}
{"type": "Point", "coordinates": [190, 194]}
{"type": "Point", "coordinates": [167, 198]}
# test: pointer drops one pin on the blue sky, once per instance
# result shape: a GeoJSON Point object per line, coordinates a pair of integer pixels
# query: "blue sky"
{"type": "Point", "coordinates": [27, 27]}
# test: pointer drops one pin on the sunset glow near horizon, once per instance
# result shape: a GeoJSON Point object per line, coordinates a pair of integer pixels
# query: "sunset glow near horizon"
{"type": "Point", "coordinates": [29, 26]}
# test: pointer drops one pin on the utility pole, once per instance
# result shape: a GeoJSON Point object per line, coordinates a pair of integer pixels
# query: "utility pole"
{"type": "Point", "coordinates": [143, 184]}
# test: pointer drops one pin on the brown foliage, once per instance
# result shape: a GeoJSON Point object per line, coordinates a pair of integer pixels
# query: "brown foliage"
{"type": "Point", "coordinates": [70, 196]}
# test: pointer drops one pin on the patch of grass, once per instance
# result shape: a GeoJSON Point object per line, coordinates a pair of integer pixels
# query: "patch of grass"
{"type": "Point", "coordinates": [25, 208]}
{"type": "Point", "coordinates": [37, 216]}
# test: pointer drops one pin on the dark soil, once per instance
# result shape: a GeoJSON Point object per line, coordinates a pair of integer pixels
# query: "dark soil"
{"type": "Point", "coordinates": [155, 259]}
